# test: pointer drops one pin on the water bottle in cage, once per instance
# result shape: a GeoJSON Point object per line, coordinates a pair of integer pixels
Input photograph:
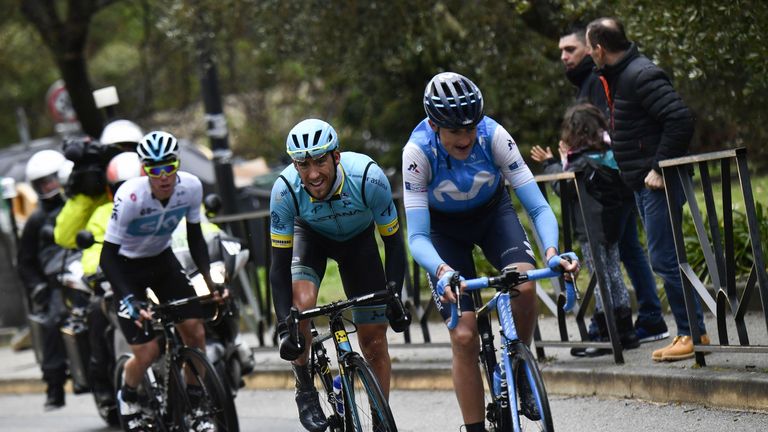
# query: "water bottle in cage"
{"type": "Point", "coordinates": [500, 385]}
{"type": "Point", "coordinates": [338, 395]}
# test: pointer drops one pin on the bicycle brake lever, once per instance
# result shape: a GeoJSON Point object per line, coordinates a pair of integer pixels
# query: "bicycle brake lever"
{"type": "Point", "coordinates": [147, 327]}
{"type": "Point", "coordinates": [456, 286]}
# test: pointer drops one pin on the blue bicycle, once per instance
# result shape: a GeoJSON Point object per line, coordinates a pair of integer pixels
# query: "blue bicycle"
{"type": "Point", "coordinates": [517, 375]}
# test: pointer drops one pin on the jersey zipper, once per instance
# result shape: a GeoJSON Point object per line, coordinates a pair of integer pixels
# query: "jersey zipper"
{"type": "Point", "coordinates": [335, 218]}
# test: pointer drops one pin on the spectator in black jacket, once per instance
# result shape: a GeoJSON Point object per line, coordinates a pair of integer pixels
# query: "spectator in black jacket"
{"type": "Point", "coordinates": [580, 71]}
{"type": "Point", "coordinates": [36, 253]}
{"type": "Point", "coordinates": [649, 123]}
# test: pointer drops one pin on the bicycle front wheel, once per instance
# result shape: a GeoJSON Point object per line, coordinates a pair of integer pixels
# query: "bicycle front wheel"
{"type": "Point", "coordinates": [215, 405]}
{"type": "Point", "coordinates": [150, 393]}
{"type": "Point", "coordinates": [533, 412]}
{"type": "Point", "coordinates": [366, 409]}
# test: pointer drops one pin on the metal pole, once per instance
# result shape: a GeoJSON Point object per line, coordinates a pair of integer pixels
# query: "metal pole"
{"type": "Point", "coordinates": [217, 128]}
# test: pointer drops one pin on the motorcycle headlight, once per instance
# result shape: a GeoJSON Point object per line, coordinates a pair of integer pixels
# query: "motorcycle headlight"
{"type": "Point", "coordinates": [218, 275]}
{"type": "Point", "coordinates": [218, 272]}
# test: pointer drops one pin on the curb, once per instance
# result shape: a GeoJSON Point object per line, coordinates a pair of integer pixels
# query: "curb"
{"type": "Point", "coordinates": [722, 389]}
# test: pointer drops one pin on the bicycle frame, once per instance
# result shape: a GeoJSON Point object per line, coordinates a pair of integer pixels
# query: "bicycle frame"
{"type": "Point", "coordinates": [344, 352]}
{"type": "Point", "coordinates": [163, 319]}
{"type": "Point", "coordinates": [501, 303]}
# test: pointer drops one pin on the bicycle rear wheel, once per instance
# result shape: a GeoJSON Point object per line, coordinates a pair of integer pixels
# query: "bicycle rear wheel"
{"type": "Point", "coordinates": [215, 405]}
{"type": "Point", "coordinates": [365, 407]}
{"type": "Point", "coordinates": [524, 367]}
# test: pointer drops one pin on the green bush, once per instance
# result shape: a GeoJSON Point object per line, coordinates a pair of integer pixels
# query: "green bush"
{"type": "Point", "coordinates": [742, 246]}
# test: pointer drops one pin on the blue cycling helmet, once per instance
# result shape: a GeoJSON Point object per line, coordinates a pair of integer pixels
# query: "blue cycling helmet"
{"type": "Point", "coordinates": [453, 101]}
{"type": "Point", "coordinates": [157, 147]}
{"type": "Point", "coordinates": [311, 138]}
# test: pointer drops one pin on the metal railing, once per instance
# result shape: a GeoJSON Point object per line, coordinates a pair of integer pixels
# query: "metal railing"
{"type": "Point", "coordinates": [596, 279]}
{"type": "Point", "coordinates": [261, 321]}
{"type": "Point", "coordinates": [719, 256]}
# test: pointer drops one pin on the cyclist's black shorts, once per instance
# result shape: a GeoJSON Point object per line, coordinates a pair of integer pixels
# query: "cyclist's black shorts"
{"type": "Point", "coordinates": [359, 263]}
{"type": "Point", "coordinates": [165, 276]}
{"type": "Point", "coordinates": [496, 229]}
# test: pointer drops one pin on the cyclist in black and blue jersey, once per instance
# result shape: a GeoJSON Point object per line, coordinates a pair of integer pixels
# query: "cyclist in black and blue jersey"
{"type": "Point", "coordinates": [455, 165]}
{"type": "Point", "coordinates": [325, 205]}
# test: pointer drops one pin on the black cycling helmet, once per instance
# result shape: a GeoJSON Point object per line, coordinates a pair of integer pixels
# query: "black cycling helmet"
{"type": "Point", "coordinates": [453, 101]}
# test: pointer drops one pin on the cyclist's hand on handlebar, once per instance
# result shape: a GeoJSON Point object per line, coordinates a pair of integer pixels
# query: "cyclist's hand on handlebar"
{"type": "Point", "coordinates": [444, 287]}
{"type": "Point", "coordinates": [136, 309]}
{"type": "Point", "coordinates": [566, 262]}
{"type": "Point", "coordinates": [290, 349]}
{"type": "Point", "coordinates": [220, 292]}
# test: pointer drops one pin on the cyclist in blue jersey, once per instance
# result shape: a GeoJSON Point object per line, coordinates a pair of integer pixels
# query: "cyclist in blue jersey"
{"type": "Point", "coordinates": [455, 165]}
{"type": "Point", "coordinates": [325, 205]}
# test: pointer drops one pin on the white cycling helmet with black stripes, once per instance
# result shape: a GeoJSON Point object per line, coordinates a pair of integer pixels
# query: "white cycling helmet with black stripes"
{"type": "Point", "coordinates": [157, 147]}
{"type": "Point", "coordinates": [311, 138]}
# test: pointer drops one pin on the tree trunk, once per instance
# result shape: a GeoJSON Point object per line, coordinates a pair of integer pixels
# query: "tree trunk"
{"type": "Point", "coordinates": [75, 75]}
{"type": "Point", "coordinates": [66, 40]}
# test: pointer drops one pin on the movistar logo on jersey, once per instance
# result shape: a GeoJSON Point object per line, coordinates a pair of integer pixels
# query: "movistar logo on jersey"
{"type": "Point", "coordinates": [447, 188]}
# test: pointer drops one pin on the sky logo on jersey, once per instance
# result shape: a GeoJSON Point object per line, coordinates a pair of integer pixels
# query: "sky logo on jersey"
{"type": "Point", "coordinates": [160, 224]}
{"type": "Point", "coordinates": [448, 189]}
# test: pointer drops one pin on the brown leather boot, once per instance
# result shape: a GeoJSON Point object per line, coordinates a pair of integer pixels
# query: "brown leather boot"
{"type": "Point", "coordinates": [681, 348]}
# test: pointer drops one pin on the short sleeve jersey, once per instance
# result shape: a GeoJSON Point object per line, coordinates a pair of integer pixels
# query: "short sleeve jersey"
{"type": "Point", "coordinates": [433, 179]}
{"type": "Point", "coordinates": [142, 225]}
{"type": "Point", "coordinates": [362, 196]}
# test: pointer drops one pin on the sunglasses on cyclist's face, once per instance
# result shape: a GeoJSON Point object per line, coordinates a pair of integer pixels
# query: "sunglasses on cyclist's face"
{"type": "Point", "coordinates": [165, 169]}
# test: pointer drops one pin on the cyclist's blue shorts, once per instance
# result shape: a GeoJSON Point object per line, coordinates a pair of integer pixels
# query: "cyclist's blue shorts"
{"type": "Point", "coordinates": [494, 227]}
{"type": "Point", "coordinates": [359, 263]}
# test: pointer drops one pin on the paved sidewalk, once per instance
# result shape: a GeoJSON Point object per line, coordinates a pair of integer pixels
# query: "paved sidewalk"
{"type": "Point", "coordinates": [730, 380]}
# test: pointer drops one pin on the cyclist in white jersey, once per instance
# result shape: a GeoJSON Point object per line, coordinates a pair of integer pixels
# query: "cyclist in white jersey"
{"type": "Point", "coordinates": [136, 254]}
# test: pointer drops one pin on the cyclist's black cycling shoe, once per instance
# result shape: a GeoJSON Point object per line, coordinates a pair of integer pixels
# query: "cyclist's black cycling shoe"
{"type": "Point", "coordinates": [311, 415]}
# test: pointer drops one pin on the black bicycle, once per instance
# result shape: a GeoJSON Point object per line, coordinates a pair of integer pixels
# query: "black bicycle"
{"type": "Point", "coordinates": [163, 392]}
{"type": "Point", "coordinates": [360, 406]}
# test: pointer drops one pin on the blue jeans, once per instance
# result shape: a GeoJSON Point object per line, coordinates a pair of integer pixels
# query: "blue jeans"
{"type": "Point", "coordinates": [652, 205]}
{"type": "Point", "coordinates": [635, 261]}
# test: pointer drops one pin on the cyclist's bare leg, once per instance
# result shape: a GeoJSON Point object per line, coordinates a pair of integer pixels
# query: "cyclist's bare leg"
{"type": "Point", "coordinates": [143, 356]}
{"type": "Point", "coordinates": [467, 381]}
{"type": "Point", "coordinates": [524, 307]}
{"type": "Point", "coordinates": [192, 332]}
{"type": "Point", "coordinates": [304, 297]}
{"type": "Point", "coordinates": [375, 349]}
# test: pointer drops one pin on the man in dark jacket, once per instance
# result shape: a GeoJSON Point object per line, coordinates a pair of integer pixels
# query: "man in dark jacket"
{"type": "Point", "coordinates": [580, 71]}
{"type": "Point", "coordinates": [649, 123]}
{"type": "Point", "coordinates": [36, 252]}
